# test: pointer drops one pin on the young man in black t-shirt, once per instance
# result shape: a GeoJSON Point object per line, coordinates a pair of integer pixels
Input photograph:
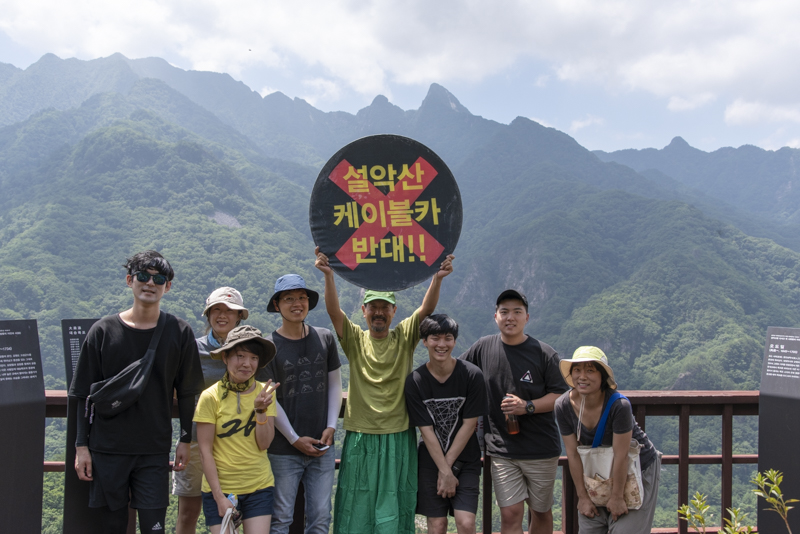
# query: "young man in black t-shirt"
{"type": "Point", "coordinates": [125, 458]}
{"type": "Point", "coordinates": [445, 397]}
{"type": "Point", "coordinates": [522, 378]}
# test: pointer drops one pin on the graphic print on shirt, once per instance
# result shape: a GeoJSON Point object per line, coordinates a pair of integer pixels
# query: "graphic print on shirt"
{"type": "Point", "coordinates": [319, 358]}
{"type": "Point", "coordinates": [527, 378]}
{"type": "Point", "coordinates": [444, 413]}
{"type": "Point", "coordinates": [236, 426]}
{"type": "Point", "coordinates": [303, 361]}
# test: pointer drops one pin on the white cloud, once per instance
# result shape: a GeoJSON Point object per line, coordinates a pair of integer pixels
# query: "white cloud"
{"type": "Point", "coordinates": [267, 90]}
{"type": "Point", "coordinates": [321, 89]}
{"type": "Point", "coordinates": [749, 112]}
{"type": "Point", "coordinates": [542, 122]}
{"type": "Point", "coordinates": [687, 53]}
{"type": "Point", "coordinates": [677, 103]}
{"type": "Point", "coordinates": [779, 138]}
{"type": "Point", "coordinates": [580, 124]}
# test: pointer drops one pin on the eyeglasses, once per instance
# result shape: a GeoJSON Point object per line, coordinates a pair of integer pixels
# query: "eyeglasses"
{"type": "Point", "coordinates": [144, 277]}
{"type": "Point", "coordinates": [292, 300]}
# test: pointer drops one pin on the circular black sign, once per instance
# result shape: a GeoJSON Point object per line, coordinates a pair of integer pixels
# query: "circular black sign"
{"type": "Point", "coordinates": [386, 211]}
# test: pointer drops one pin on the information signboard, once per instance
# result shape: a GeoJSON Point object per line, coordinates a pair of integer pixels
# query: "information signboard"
{"type": "Point", "coordinates": [78, 517]}
{"type": "Point", "coordinates": [386, 211]}
{"type": "Point", "coordinates": [779, 421]}
{"type": "Point", "coordinates": [22, 411]}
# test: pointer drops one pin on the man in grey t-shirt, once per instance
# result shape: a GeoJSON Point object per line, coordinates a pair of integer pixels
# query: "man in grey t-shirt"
{"type": "Point", "coordinates": [307, 366]}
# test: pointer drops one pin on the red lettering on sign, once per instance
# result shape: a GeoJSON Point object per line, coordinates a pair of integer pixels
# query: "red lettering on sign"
{"type": "Point", "coordinates": [401, 195]}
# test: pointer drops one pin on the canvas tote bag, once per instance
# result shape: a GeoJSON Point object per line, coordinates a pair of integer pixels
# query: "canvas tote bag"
{"type": "Point", "coordinates": [597, 462]}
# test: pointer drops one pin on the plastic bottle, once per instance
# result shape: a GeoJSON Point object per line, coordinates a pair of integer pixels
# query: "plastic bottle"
{"type": "Point", "coordinates": [511, 421]}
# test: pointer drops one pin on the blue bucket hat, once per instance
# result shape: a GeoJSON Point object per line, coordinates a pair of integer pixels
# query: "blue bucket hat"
{"type": "Point", "coordinates": [289, 282]}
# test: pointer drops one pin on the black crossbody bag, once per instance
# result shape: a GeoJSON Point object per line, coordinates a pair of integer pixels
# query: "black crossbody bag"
{"type": "Point", "coordinates": [114, 395]}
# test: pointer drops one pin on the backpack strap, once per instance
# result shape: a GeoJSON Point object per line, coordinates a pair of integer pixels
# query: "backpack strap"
{"type": "Point", "coordinates": [601, 425]}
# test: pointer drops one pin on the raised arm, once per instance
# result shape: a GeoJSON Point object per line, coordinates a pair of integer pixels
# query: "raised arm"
{"type": "Point", "coordinates": [331, 296]}
{"type": "Point", "coordinates": [432, 295]}
{"type": "Point", "coordinates": [265, 423]}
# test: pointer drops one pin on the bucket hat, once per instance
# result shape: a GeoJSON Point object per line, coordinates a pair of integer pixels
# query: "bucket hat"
{"type": "Point", "coordinates": [229, 297]}
{"type": "Point", "coordinates": [587, 354]}
{"type": "Point", "coordinates": [243, 333]}
{"type": "Point", "coordinates": [289, 282]}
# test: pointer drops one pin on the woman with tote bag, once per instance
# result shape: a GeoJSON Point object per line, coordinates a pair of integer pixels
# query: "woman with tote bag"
{"type": "Point", "coordinates": [613, 463]}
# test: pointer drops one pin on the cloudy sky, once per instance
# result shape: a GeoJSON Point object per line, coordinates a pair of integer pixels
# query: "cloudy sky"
{"type": "Point", "coordinates": [613, 74]}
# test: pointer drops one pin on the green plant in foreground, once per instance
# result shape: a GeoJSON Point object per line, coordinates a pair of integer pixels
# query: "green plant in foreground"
{"type": "Point", "coordinates": [769, 489]}
{"type": "Point", "coordinates": [736, 524]}
{"type": "Point", "coordinates": [696, 513]}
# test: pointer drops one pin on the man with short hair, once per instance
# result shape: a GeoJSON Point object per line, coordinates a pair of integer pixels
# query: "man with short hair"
{"type": "Point", "coordinates": [376, 491]}
{"type": "Point", "coordinates": [445, 397]}
{"type": "Point", "coordinates": [522, 379]}
{"type": "Point", "coordinates": [308, 367]}
{"type": "Point", "coordinates": [125, 457]}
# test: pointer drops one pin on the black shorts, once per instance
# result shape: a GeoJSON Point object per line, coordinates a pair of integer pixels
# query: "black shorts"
{"type": "Point", "coordinates": [430, 504]}
{"type": "Point", "coordinates": [119, 478]}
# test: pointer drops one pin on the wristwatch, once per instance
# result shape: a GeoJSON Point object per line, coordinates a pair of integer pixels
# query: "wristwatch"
{"type": "Point", "coordinates": [530, 408]}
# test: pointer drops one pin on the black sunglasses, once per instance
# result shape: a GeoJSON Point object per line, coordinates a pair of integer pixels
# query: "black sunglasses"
{"type": "Point", "coordinates": [144, 277]}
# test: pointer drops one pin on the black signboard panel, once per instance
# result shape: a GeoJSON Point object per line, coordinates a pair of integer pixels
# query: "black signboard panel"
{"type": "Point", "coordinates": [73, 332]}
{"type": "Point", "coordinates": [779, 421]}
{"type": "Point", "coordinates": [22, 411]}
{"type": "Point", "coordinates": [386, 211]}
{"type": "Point", "coordinates": [78, 517]}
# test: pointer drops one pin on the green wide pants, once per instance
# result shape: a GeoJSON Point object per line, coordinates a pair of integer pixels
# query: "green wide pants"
{"type": "Point", "coordinates": [377, 488]}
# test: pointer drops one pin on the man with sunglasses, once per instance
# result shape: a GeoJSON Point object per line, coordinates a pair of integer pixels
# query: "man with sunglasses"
{"type": "Point", "coordinates": [307, 366]}
{"type": "Point", "coordinates": [125, 458]}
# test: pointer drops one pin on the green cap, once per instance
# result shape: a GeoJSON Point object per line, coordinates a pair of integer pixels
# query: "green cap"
{"type": "Point", "coordinates": [388, 296]}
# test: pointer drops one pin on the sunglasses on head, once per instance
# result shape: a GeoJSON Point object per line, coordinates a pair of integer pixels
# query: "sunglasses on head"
{"type": "Point", "coordinates": [144, 277]}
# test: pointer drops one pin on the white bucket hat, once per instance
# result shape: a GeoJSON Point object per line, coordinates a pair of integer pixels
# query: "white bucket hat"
{"type": "Point", "coordinates": [229, 297]}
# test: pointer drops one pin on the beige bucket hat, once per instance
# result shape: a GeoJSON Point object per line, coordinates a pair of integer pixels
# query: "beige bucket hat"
{"type": "Point", "coordinates": [587, 354]}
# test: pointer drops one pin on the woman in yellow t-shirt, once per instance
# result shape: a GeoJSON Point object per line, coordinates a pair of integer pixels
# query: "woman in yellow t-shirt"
{"type": "Point", "coordinates": [235, 425]}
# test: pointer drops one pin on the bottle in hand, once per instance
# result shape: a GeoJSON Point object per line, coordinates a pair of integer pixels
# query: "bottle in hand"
{"type": "Point", "coordinates": [512, 422]}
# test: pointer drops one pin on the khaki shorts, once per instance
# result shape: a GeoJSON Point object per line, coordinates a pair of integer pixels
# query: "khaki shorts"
{"type": "Point", "coordinates": [187, 483]}
{"type": "Point", "coordinates": [519, 480]}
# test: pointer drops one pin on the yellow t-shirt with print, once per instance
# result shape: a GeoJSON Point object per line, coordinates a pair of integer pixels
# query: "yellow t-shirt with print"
{"type": "Point", "coordinates": [378, 371]}
{"type": "Point", "coordinates": [242, 467]}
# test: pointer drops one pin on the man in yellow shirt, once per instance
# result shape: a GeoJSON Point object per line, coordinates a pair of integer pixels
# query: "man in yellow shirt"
{"type": "Point", "coordinates": [377, 486]}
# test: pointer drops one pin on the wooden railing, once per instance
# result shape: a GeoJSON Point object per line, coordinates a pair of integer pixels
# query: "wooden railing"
{"type": "Point", "coordinates": [682, 404]}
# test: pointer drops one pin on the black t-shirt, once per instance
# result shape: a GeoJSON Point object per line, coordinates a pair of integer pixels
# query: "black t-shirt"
{"type": "Point", "coordinates": [444, 407]}
{"type": "Point", "coordinates": [530, 371]}
{"type": "Point", "coordinates": [620, 421]}
{"type": "Point", "coordinates": [146, 427]}
{"type": "Point", "coordinates": [302, 366]}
